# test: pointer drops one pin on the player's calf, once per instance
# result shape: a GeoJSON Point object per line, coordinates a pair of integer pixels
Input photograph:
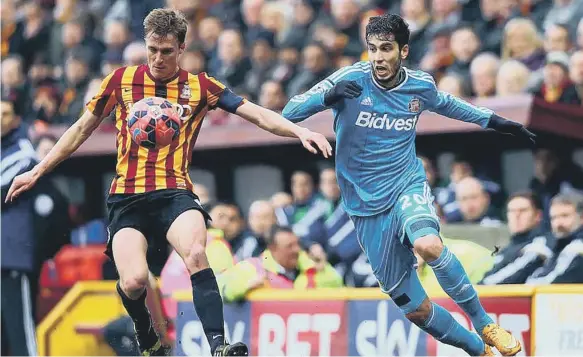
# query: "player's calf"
{"type": "Point", "coordinates": [453, 278]}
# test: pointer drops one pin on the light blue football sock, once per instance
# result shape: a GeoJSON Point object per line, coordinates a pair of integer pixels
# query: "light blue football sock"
{"type": "Point", "coordinates": [441, 325]}
{"type": "Point", "coordinates": [455, 282]}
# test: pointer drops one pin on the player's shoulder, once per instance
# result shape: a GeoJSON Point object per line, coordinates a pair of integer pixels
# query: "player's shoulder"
{"type": "Point", "coordinates": [420, 78]}
{"type": "Point", "coordinates": [353, 72]}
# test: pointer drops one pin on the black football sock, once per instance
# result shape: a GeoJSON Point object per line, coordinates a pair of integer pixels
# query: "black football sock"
{"type": "Point", "coordinates": [209, 306]}
{"type": "Point", "coordinates": [140, 315]}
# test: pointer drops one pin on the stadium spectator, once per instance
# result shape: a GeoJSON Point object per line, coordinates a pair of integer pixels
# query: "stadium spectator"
{"type": "Point", "coordinates": [303, 16]}
{"type": "Point", "coordinates": [315, 67]}
{"type": "Point", "coordinates": [14, 85]}
{"type": "Point", "coordinates": [416, 13]}
{"type": "Point", "coordinates": [306, 214]}
{"type": "Point", "coordinates": [521, 42]}
{"type": "Point", "coordinates": [134, 54]}
{"type": "Point", "coordinates": [209, 30]}
{"type": "Point", "coordinates": [556, 86]}
{"type": "Point", "coordinates": [483, 71]}
{"type": "Point", "coordinates": [576, 71]}
{"type": "Point", "coordinates": [228, 218]}
{"type": "Point", "coordinates": [557, 39]}
{"type": "Point", "coordinates": [286, 66]}
{"type": "Point", "coordinates": [206, 200]}
{"type": "Point", "coordinates": [341, 246]}
{"type": "Point", "coordinates": [111, 60]}
{"type": "Point", "coordinates": [439, 57]}
{"type": "Point", "coordinates": [262, 59]}
{"type": "Point", "coordinates": [193, 61]}
{"type": "Point", "coordinates": [261, 219]}
{"type": "Point", "coordinates": [474, 203]}
{"type": "Point", "coordinates": [579, 35]}
{"type": "Point", "coordinates": [446, 196]}
{"type": "Point", "coordinates": [452, 84]}
{"type": "Point", "coordinates": [568, 12]}
{"type": "Point", "coordinates": [283, 265]}
{"type": "Point", "coordinates": [512, 78]}
{"type": "Point", "coordinates": [566, 263]}
{"type": "Point", "coordinates": [116, 36]}
{"type": "Point", "coordinates": [529, 242]}
{"type": "Point", "coordinates": [464, 44]}
{"type": "Point", "coordinates": [491, 26]}
{"type": "Point", "coordinates": [553, 176]}
{"type": "Point", "coordinates": [74, 87]}
{"type": "Point", "coordinates": [272, 96]}
{"type": "Point", "coordinates": [280, 200]}
{"type": "Point", "coordinates": [340, 31]}
{"type": "Point", "coordinates": [233, 62]}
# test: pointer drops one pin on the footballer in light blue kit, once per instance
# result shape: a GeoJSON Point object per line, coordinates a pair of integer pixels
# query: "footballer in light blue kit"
{"type": "Point", "coordinates": [376, 108]}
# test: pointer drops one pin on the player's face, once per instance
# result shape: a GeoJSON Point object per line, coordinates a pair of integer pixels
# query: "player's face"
{"type": "Point", "coordinates": [163, 55]}
{"type": "Point", "coordinates": [385, 56]}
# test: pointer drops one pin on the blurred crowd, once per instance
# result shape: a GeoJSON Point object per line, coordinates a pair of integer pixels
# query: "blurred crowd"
{"type": "Point", "coordinates": [56, 52]}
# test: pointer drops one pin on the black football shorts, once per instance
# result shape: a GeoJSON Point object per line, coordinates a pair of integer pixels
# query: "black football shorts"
{"type": "Point", "coordinates": [152, 213]}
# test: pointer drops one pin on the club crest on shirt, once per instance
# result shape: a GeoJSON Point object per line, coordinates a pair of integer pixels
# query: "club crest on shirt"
{"type": "Point", "coordinates": [414, 105]}
{"type": "Point", "coordinates": [185, 93]}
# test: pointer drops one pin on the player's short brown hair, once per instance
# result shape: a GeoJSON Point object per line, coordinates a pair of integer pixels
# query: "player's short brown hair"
{"type": "Point", "coordinates": [164, 22]}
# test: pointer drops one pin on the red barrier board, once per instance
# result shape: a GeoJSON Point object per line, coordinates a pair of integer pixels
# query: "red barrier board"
{"type": "Point", "coordinates": [298, 328]}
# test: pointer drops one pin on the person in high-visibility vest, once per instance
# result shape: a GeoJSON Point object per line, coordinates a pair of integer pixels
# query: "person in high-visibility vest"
{"type": "Point", "coordinates": [283, 265]}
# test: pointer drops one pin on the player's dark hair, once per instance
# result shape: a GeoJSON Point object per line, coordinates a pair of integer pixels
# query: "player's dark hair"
{"type": "Point", "coordinates": [532, 197]}
{"type": "Point", "coordinates": [164, 22]}
{"type": "Point", "coordinates": [386, 25]}
{"type": "Point", "coordinates": [275, 229]}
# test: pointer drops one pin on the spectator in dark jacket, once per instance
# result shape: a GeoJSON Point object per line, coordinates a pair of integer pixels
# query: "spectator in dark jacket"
{"type": "Point", "coordinates": [529, 244]}
{"type": "Point", "coordinates": [18, 240]}
{"type": "Point", "coordinates": [566, 264]}
{"type": "Point", "coordinates": [556, 86]}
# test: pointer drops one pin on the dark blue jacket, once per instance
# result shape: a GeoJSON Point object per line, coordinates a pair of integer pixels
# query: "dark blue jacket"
{"type": "Point", "coordinates": [18, 156]}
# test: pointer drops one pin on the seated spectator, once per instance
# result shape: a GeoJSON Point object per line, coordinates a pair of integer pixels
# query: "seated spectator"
{"type": "Point", "coordinates": [464, 44]}
{"type": "Point", "coordinates": [474, 203]}
{"type": "Point", "coordinates": [452, 84]}
{"type": "Point", "coordinates": [417, 14]}
{"type": "Point", "coordinates": [557, 39]}
{"type": "Point", "coordinates": [576, 71]}
{"type": "Point", "coordinates": [306, 215]}
{"type": "Point", "coordinates": [261, 219]}
{"type": "Point", "coordinates": [529, 242]}
{"type": "Point", "coordinates": [315, 67]}
{"type": "Point", "coordinates": [262, 59]}
{"type": "Point", "coordinates": [272, 96]}
{"type": "Point", "coordinates": [342, 246]}
{"type": "Point", "coordinates": [446, 197]}
{"type": "Point", "coordinates": [483, 72]}
{"type": "Point", "coordinates": [522, 43]}
{"type": "Point", "coordinates": [282, 266]}
{"type": "Point", "coordinates": [556, 86]}
{"type": "Point", "coordinates": [568, 12]}
{"type": "Point", "coordinates": [475, 259]}
{"type": "Point", "coordinates": [281, 200]}
{"type": "Point", "coordinates": [233, 62]}
{"type": "Point", "coordinates": [513, 78]}
{"type": "Point", "coordinates": [551, 177]}
{"type": "Point", "coordinates": [193, 61]}
{"type": "Point", "coordinates": [135, 53]}
{"type": "Point", "coordinates": [228, 218]}
{"type": "Point", "coordinates": [566, 264]}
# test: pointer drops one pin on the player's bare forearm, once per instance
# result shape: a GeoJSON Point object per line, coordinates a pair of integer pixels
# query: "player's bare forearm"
{"type": "Point", "coordinates": [269, 120]}
{"type": "Point", "coordinates": [76, 135]}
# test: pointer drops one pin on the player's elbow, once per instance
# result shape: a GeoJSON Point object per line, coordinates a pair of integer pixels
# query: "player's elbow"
{"type": "Point", "coordinates": [290, 114]}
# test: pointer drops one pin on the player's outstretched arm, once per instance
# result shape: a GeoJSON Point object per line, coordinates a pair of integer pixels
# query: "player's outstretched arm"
{"type": "Point", "coordinates": [276, 124]}
{"type": "Point", "coordinates": [67, 144]}
{"type": "Point", "coordinates": [322, 96]}
{"type": "Point", "coordinates": [456, 108]}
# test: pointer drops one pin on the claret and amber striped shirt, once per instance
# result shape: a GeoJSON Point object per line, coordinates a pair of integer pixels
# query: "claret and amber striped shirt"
{"type": "Point", "coordinates": [138, 168]}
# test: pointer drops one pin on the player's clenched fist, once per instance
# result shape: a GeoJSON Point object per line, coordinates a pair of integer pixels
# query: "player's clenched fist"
{"type": "Point", "coordinates": [20, 184]}
{"type": "Point", "coordinates": [310, 138]}
{"type": "Point", "coordinates": [342, 89]}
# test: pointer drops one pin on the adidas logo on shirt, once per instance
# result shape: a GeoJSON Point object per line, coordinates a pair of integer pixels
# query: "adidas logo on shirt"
{"type": "Point", "coordinates": [366, 101]}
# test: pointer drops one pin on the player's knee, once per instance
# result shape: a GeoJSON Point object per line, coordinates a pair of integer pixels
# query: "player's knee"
{"type": "Point", "coordinates": [421, 314]}
{"type": "Point", "coordinates": [429, 247]}
{"type": "Point", "coordinates": [134, 283]}
{"type": "Point", "coordinates": [196, 259]}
